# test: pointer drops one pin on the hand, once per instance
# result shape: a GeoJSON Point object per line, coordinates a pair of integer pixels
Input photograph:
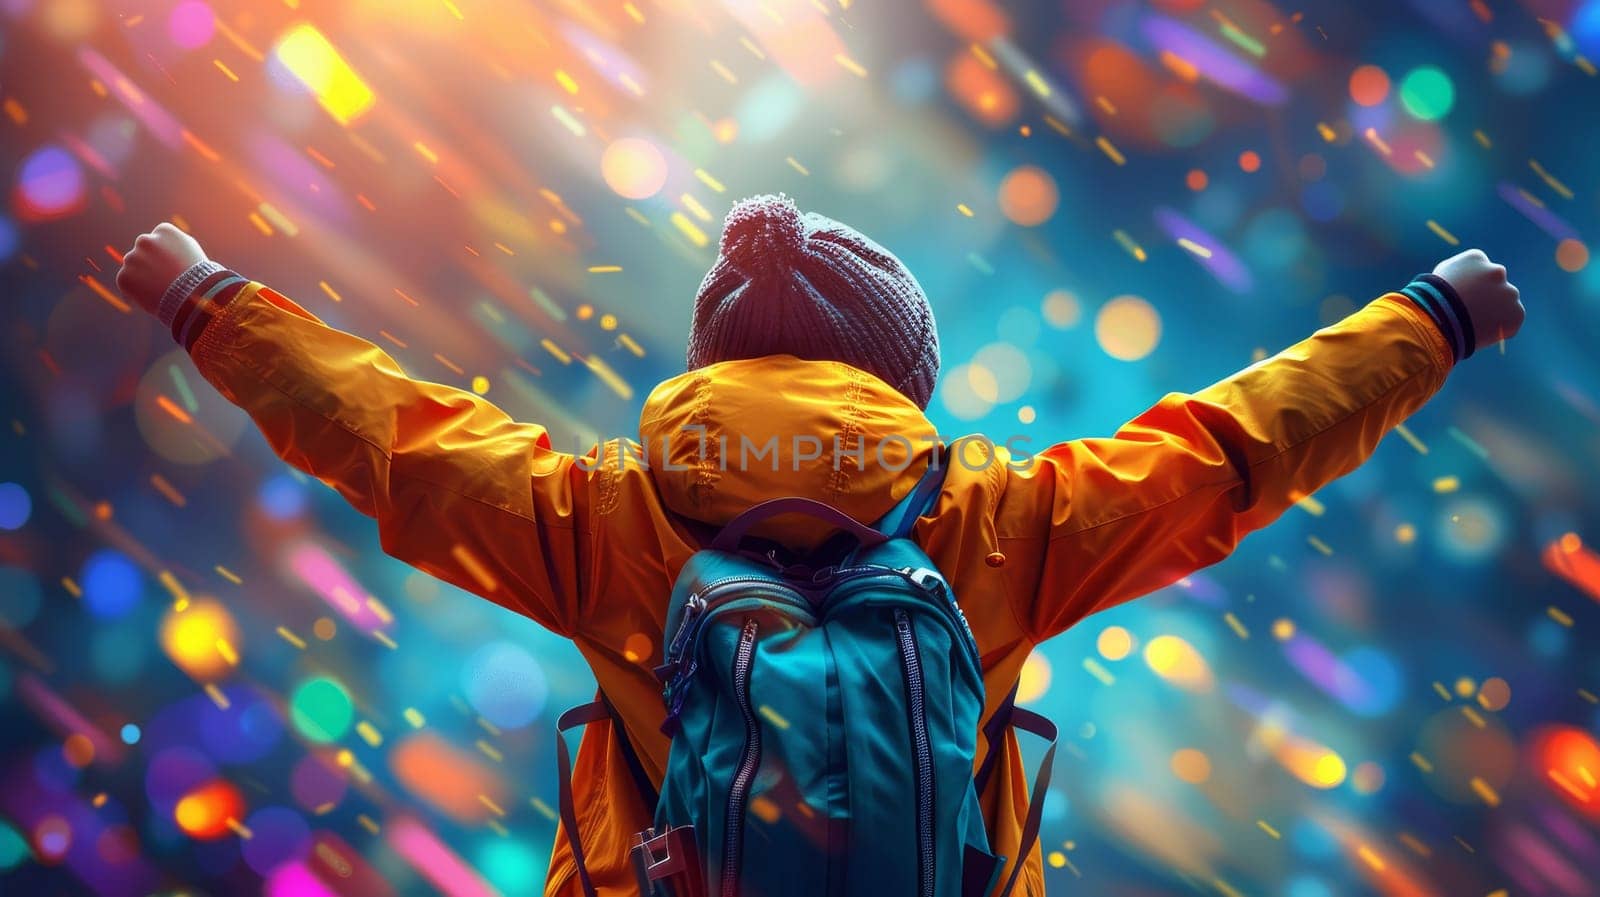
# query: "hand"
{"type": "Point", "coordinates": [1491, 300]}
{"type": "Point", "coordinates": [154, 262]}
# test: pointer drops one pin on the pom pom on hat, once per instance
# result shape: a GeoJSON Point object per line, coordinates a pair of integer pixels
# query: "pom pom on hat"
{"type": "Point", "coordinates": [762, 234]}
{"type": "Point", "coordinates": [793, 283]}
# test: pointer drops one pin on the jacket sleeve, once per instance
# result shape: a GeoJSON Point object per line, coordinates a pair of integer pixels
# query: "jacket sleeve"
{"type": "Point", "coordinates": [1097, 522]}
{"type": "Point", "coordinates": [458, 489]}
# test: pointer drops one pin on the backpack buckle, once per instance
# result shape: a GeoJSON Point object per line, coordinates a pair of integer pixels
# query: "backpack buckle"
{"type": "Point", "coordinates": [924, 578]}
{"type": "Point", "coordinates": [667, 863]}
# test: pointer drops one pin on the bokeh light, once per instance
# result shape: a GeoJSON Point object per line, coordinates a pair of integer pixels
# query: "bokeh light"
{"type": "Point", "coordinates": [15, 506]}
{"type": "Point", "coordinates": [1035, 680]}
{"type": "Point", "coordinates": [1494, 694]}
{"type": "Point", "coordinates": [201, 639]}
{"type": "Point", "coordinates": [204, 812]}
{"type": "Point", "coordinates": [1028, 196]}
{"type": "Point", "coordinates": [321, 709]}
{"type": "Point", "coordinates": [445, 777]}
{"type": "Point", "coordinates": [1128, 328]}
{"type": "Point", "coordinates": [1570, 761]}
{"type": "Point", "coordinates": [112, 584]}
{"type": "Point", "coordinates": [1572, 255]}
{"type": "Point", "coordinates": [634, 168]}
{"type": "Point", "coordinates": [981, 90]}
{"type": "Point", "coordinates": [307, 55]}
{"type": "Point", "coordinates": [1427, 93]}
{"type": "Point", "coordinates": [504, 684]}
{"type": "Point", "coordinates": [1061, 309]}
{"type": "Point", "coordinates": [13, 847]}
{"type": "Point", "coordinates": [1369, 85]}
{"type": "Point", "coordinates": [1176, 661]}
{"type": "Point", "coordinates": [1191, 765]}
{"type": "Point", "coordinates": [511, 866]}
{"type": "Point", "coordinates": [53, 838]}
{"type": "Point", "coordinates": [191, 24]}
{"type": "Point", "coordinates": [50, 184]}
{"type": "Point", "coordinates": [1114, 643]}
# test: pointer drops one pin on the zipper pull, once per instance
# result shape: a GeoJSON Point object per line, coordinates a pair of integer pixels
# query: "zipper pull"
{"type": "Point", "coordinates": [692, 608]}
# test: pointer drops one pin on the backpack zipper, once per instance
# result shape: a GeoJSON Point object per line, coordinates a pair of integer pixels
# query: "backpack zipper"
{"type": "Point", "coordinates": [923, 749]}
{"type": "Point", "coordinates": [701, 601]}
{"type": "Point", "coordinates": [739, 791]}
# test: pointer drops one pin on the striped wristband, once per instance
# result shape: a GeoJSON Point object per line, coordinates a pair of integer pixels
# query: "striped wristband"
{"type": "Point", "coordinates": [1434, 295]}
{"type": "Point", "coordinates": [195, 297]}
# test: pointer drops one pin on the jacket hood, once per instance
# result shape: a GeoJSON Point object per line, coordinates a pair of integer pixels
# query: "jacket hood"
{"type": "Point", "coordinates": [727, 436]}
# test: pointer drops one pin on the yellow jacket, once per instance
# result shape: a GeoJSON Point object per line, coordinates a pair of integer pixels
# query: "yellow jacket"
{"type": "Point", "coordinates": [589, 547]}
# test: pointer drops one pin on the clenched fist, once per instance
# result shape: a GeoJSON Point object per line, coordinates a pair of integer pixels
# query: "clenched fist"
{"type": "Point", "coordinates": [1491, 300]}
{"type": "Point", "coordinates": [154, 262]}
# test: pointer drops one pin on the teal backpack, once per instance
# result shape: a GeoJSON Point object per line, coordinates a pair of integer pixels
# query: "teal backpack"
{"type": "Point", "coordinates": [824, 719]}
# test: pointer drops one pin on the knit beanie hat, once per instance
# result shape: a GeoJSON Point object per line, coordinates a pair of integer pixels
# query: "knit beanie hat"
{"type": "Point", "coordinates": [787, 283]}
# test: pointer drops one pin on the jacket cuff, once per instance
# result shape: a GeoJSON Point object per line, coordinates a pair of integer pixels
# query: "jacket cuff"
{"type": "Point", "coordinates": [181, 287]}
{"type": "Point", "coordinates": [1434, 295]}
{"type": "Point", "coordinates": [196, 297]}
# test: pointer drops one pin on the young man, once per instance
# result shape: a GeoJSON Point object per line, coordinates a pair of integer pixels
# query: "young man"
{"type": "Point", "coordinates": [804, 330]}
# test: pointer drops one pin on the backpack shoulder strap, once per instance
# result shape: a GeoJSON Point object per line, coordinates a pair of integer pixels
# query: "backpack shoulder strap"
{"type": "Point", "coordinates": [582, 715]}
{"type": "Point", "coordinates": [1033, 723]}
{"type": "Point", "coordinates": [903, 516]}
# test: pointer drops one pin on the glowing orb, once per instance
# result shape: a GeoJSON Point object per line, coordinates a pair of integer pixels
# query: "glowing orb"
{"type": "Point", "coordinates": [1114, 643]}
{"type": "Point", "coordinates": [1028, 196]}
{"type": "Point", "coordinates": [53, 837]}
{"type": "Point", "coordinates": [1176, 661]}
{"type": "Point", "coordinates": [1572, 255]}
{"type": "Point", "coordinates": [204, 812]}
{"type": "Point", "coordinates": [1061, 309]}
{"type": "Point", "coordinates": [1369, 85]}
{"type": "Point", "coordinates": [505, 684]}
{"type": "Point", "coordinates": [199, 639]}
{"type": "Point", "coordinates": [321, 709]}
{"type": "Point", "coordinates": [634, 168]}
{"type": "Point", "coordinates": [983, 92]}
{"type": "Point", "coordinates": [1570, 759]}
{"type": "Point", "coordinates": [15, 506]}
{"type": "Point", "coordinates": [112, 584]}
{"type": "Point", "coordinates": [1035, 679]}
{"type": "Point", "coordinates": [1191, 766]}
{"type": "Point", "coordinates": [13, 847]}
{"type": "Point", "coordinates": [191, 24]}
{"type": "Point", "coordinates": [961, 399]}
{"type": "Point", "coordinates": [1427, 93]}
{"type": "Point", "coordinates": [1128, 328]}
{"type": "Point", "coordinates": [1494, 694]}
{"type": "Point", "coordinates": [78, 750]}
{"type": "Point", "coordinates": [1367, 778]}
{"type": "Point", "coordinates": [50, 184]}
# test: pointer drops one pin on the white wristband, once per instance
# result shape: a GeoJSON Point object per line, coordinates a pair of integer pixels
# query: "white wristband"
{"type": "Point", "coordinates": [181, 287]}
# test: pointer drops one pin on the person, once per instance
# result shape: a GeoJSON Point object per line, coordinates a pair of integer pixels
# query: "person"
{"type": "Point", "coordinates": [804, 328]}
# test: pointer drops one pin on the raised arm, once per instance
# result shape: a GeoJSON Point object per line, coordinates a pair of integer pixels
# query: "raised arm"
{"type": "Point", "coordinates": [459, 489]}
{"type": "Point", "coordinates": [1097, 522]}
